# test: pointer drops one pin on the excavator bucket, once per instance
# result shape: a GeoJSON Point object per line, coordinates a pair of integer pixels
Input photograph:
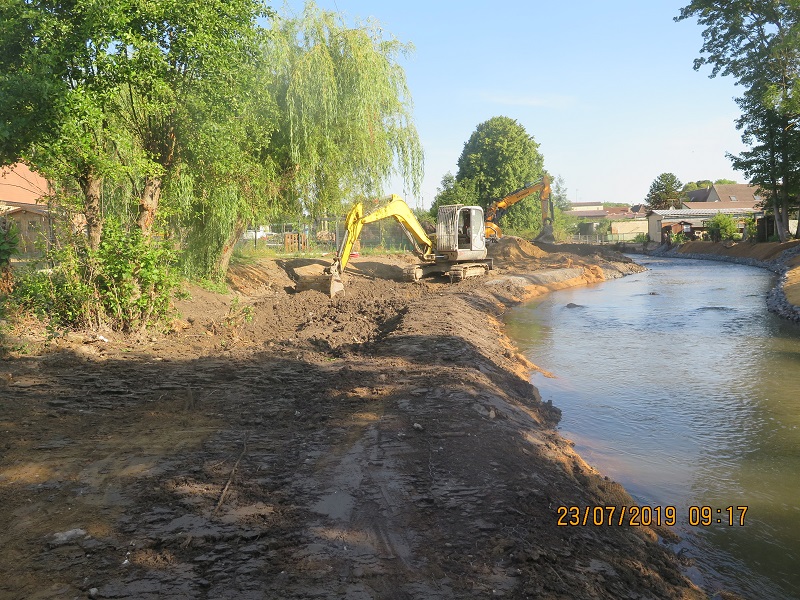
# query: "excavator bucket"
{"type": "Point", "coordinates": [546, 234]}
{"type": "Point", "coordinates": [336, 284]}
{"type": "Point", "coordinates": [315, 277]}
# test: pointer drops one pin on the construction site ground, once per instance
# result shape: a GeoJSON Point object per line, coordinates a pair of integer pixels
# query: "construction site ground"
{"type": "Point", "coordinates": [383, 444]}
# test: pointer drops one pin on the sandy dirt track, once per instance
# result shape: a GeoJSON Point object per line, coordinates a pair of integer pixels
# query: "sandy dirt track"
{"type": "Point", "coordinates": [386, 444]}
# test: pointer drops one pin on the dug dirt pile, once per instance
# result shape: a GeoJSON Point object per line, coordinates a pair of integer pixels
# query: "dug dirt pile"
{"type": "Point", "coordinates": [385, 444]}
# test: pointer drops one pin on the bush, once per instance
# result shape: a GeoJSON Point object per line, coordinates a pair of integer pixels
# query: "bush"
{"type": "Point", "coordinates": [9, 241]}
{"type": "Point", "coordinates": [750, 229]}
{"type": "Point", "coordinates": [58, 295]}
{"type": "Point", "coordinates": [134, 278]}
{"type": "Point", "coordinates": [127, 283]}
{"type": "Point", "coordinates": [679, 238]}
{"type": "Point", "coordinates": [722, 227]}
{"type": "Point", "coordinates": [9, 245]}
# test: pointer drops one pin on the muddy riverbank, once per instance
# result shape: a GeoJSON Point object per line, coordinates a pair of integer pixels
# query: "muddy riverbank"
{"type": "Point", "coordinates": [385, 444]}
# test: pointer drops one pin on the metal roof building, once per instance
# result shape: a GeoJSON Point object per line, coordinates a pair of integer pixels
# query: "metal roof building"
{"type": "Point", "coordinates": [695, 217]}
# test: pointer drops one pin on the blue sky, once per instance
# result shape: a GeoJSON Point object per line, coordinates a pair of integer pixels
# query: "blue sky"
{"type": "Point", "coordinates": [606, 87]}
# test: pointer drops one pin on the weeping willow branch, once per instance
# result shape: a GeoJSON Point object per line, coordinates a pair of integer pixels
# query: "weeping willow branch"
{"type": "Point", "coordinates": [348, 107]}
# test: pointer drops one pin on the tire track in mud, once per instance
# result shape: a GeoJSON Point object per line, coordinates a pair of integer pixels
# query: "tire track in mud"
{"type": "Point", "coordinates": [336, 492]}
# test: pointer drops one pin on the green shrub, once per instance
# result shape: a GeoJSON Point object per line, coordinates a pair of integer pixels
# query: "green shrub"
{"type": "Point", "coordinates": [722, 227]}
{"type": "Point", "coordinates": [679, 238]}
{"type": "Point", "coordinates": [134, 278]}
{"type": "Point", "coordinates": [9, 241]}
{"type": "Point", "coordinates": [60, 294]}
{"type": "Point", "coordinates": [9, 245]}
{"type": "Point", "coordinates": [751, 229]}
{"type": "Point", "coordinates": [127, 283]}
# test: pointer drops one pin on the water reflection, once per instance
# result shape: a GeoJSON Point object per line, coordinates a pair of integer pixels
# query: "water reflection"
{"type": "Point", "coordinates": [679, 384]}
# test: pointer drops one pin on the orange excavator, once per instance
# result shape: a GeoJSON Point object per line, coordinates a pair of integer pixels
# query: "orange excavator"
{"type": "Point", "coordinates": [499, 207]}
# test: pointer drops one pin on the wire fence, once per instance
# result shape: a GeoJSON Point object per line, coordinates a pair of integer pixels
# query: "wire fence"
{"type": "Point", "coordinates": [324, 235]}
{"type": "Point", "coordinates": [611, 238]}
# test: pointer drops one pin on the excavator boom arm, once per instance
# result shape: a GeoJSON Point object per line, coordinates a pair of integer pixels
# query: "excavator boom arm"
{"type": "Point", "coordinates": [498, 208]}
{"type": "Point", "coordinates": [396, 208]}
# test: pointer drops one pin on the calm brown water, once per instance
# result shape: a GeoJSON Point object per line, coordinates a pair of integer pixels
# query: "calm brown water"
{"type": "Point", "coordinates": [679, 384]}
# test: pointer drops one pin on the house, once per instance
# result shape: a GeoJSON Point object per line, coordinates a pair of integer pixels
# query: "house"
{"type": "Point", "coordinates": [586, 206]}
{"type": "Point", "coordinates": [724, 196]}
{"type": "Point", "coordinates": [34, 223]}
{"type": "Point", "coordinates": [628, 229]}
{"type": "Point", "coordinates": [20, 185]}
{"type": "Point", "coordinates": [587, 210]}
{"type": "Point", "coordinates": [21, 193]}
{"type": "Point", "coordinates": [618, 212]}
{"type": "Point", "coordinates": [639, 210]}
{"type": "Point", "coordinates": [700, 195]}
{"type": "Point", "coordinates": [692, 221]}
{"type": "Point", "coordinates": [741, 193]}
{"type": "Point", "coordinates": [739, 200]}
{"type": "Point", "coordinates": [587, 214]}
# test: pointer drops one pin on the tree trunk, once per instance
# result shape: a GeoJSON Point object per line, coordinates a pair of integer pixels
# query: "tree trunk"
{"type": "Point", "coordinates": [227, 248]}
{"type": "Point", "coordinates": [148, 205]}
{"type": "Point", "coordinates": [92, 185]}
{"type": "Point", "coordinates": [797, 229]}
{"type": "Point", "coordinates": [780, 229]}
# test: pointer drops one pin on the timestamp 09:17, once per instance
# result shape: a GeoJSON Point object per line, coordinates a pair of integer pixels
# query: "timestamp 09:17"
{"type": "Point", "coordinates": [598, 516]}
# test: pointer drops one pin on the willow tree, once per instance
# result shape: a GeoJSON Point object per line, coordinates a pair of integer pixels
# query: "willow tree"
{"type": "Point", "coordinates": [347, 109]}
{"type": "Point", "coordinates": [180, 75]}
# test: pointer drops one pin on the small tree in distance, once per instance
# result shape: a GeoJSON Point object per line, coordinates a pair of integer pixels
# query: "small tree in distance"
{"type": "Point", "coordinates": [666, 192]}
{"type": "Point", "coordinates": [722, 227]}
{"type": "Point", "coordinates": [500, 157]}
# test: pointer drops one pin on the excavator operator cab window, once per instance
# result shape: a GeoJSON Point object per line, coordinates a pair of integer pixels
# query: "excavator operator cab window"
{"type": "Point", "coordinates": [464, 230]}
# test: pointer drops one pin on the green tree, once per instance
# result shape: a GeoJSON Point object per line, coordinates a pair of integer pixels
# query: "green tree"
{"type": "Point", "coordinates": [499, 157]}
{"type": "Point", "coordinates": [756, 43]}
{"type": "Point", "coordinates": [182, 72]}
{"type": "Point", "coordinates": [773, 159]}
{"type": "Point", "coordinates": [558, 194]}
{"type": "Point", "coordinates": [722, 227]}
{"type": "Point", "coordinates": [724, 182]}
{"type": "Point", "coordinates": [700, 184]}
{"type": "Point", "coordinates": [454, 192]}
{"type": "Point", "coordinates": [666, 191]}
{"type": "Point", "coordinates": [105, 112]}
{"type": "Point", "coordinates": [347, 113]}
{"type": "Point", "coordinates": [58, 73]}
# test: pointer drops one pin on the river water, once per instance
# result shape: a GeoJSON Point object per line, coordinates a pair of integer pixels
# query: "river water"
{"type": "Point", "coordinates": [679, 384]}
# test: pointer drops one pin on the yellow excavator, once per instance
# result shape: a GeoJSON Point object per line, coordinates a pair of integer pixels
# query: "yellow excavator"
{"type": "Point", "coordinates": [499, 207]}
{"type": "Point", "coordinates": [459, 249]}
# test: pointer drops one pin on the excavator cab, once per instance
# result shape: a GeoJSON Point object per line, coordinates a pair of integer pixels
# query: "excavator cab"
{"type": "Point", "coordinates": [460, 233]}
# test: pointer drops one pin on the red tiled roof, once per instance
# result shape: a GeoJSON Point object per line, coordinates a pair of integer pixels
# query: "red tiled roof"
{"type": "Point", "coordinates": [20, 185]}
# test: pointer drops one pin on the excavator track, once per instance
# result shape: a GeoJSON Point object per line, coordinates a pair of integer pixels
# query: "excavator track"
{"type": "Point", "coordinates": [462, 271]}
{"type": "Point", "coordinates": [456, 272]}
{"type": "Point", "coordinates": [412, 273]}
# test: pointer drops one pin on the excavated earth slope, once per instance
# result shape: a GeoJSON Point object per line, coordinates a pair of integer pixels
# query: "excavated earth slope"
{"type": "Point", "coordinates": [385, 444]}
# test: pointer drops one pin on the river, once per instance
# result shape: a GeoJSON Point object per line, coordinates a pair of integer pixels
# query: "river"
{"type": "Point", "coordinates": [679, 384]}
